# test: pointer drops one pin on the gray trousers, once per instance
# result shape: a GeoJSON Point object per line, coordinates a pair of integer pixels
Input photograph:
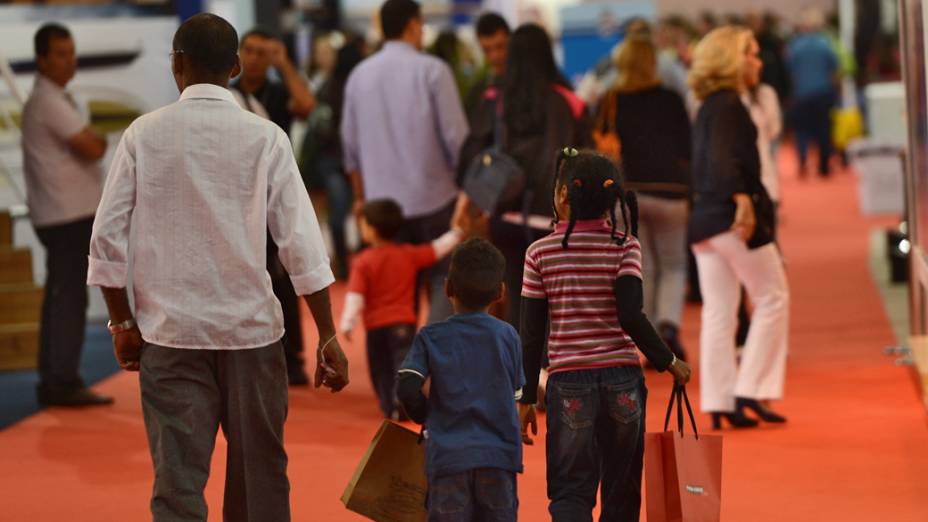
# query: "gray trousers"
{"type": "Point", "coordinates": [187, 395]}
{"type": "Point", "coordinates": [662, 234]}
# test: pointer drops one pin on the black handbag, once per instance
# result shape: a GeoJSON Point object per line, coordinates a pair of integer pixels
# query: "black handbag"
{"type": "Point", "coordinates": [764, 216]}
{"type": "Point", "coordinates": [494, 181]}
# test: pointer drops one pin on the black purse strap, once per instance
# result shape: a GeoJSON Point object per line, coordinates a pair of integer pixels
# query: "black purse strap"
{"type": "Point", "coordinates": [498, 131]}
{"type": "Point", "coordinates": [679, 394]}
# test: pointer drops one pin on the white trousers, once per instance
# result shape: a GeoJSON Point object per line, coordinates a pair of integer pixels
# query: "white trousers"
{"type": "Point", "coordinates": [725, 263]}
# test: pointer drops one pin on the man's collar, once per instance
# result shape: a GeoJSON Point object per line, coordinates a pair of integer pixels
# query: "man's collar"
{"type": "Point", "coordinates": [47, 82]}
{"type": "Point", "coordinates": [399, 44]}
{"type": "Point", "coordinates": [207, 91]}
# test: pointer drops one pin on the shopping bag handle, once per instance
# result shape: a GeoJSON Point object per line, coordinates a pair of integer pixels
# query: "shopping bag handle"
{"type": "Point", "coordinates": [679, 392]}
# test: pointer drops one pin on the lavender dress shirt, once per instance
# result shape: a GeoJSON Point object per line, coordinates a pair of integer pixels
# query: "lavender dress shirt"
{"type": "Point", "coordinates": [403, 127]}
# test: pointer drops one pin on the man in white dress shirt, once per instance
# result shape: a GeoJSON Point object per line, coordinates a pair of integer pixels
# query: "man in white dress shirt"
{"type": "Point", "coordinates": [61, 156]}
{"type": "Point", "coordinates": [202, 182]}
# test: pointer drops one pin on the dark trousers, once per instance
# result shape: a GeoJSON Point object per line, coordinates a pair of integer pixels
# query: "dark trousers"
{"type": "Point", "coordinates": [187, 395]}
{"type": "Point", "coordinates": [512, 241]}
{"type": "Point", "coordinates": [338, 194]}
{"type": "Point", "coordinates": [425, 229]}
{"type": "Point", "coordinates": [596, 425]}
{"type": "Point", "coordinates": [64, 308]}
{"type": "Point", "coordinates": [477, 495]}
{"type": "Point", "coordinates": [289, 305]}
{"type": "Point", "coordinates": [812, 118]}
{"type": "Point", "coordinates": [386, 349]}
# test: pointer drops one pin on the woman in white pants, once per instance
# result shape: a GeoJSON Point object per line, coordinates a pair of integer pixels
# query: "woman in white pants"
{"type": "Point", "coordinates": [732, 235]}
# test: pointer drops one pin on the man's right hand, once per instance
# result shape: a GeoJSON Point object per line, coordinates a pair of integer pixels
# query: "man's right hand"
{"type": "Point", "coordinates": [127, 346]}
{"type": "Point", "coordinates": [331, 366]}
{"type": "Point", "coordinates": [528, 418]}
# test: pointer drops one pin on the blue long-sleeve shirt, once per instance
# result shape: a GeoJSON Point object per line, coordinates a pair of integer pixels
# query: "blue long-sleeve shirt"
{"type": "Point", "coordinates": [403, 127]}
{"type": "Point", "coordinates": [813, 64]}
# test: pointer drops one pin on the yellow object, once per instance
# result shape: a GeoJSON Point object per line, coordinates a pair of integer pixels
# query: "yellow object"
{"type": "Point", "coordinates": [847, 125]}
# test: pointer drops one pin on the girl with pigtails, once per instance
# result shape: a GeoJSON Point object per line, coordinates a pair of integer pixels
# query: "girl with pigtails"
{"type": "Point", "coordinates": [582, 294]}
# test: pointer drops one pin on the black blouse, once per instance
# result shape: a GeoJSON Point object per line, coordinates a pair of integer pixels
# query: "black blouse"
{"type": "Point", "coordinates": [725, 163]}
{"type": "Point", "coordinates": [654, 129]}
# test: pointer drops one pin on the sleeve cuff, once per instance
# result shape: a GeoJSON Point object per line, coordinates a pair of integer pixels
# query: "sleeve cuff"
{"type": "Point", "coordinates": [108, 274]}
{"type": "Point", "coordinates": [318, 279]}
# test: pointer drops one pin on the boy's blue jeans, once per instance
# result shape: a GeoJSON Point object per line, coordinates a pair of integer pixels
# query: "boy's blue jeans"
{"type": "Point", "coordinates": [595, 437]}
{"type": "Point", "coordinates": [477, 495]}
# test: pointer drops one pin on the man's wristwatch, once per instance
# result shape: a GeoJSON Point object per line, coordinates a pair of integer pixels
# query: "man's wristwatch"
{"type": "Point", "coordinates": [116, 328]}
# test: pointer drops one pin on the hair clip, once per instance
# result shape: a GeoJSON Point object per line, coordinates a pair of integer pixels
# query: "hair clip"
{"type": "Point", "coordinates": [578, 183]}
{"type": "Point", "coordinates": [571, 152]}
{"type": "Point", "coordinates": [608, 183]}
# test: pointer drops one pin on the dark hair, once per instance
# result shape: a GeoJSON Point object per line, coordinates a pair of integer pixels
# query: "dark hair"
{"type": "Point", "coordinates": [347, 58]}
{"type": "Point", "coordinates": [447, 47]}
{"type": "Point", "coordinates": [594, 187]}
{"type": "Point", "coordinates": [395, 15]}
{"type": "Point", "coordinates": [260, 32]}
{"type": "Point", "coordinates": [385, 216]}
{"type": "Point", "coordinates": [491, 23]}
{"type": "Point", "coordinates": [477, 269]}
{"type": "Point", "coordinates": [209, 42]}
{"type": "Point", "coordinates": [43, 37]}
{"type": "Point", "coordinates": [530, 74]}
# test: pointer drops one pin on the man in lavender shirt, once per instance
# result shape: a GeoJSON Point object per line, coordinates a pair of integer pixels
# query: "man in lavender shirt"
{"type": "Point", "coordinates": [402, 130]}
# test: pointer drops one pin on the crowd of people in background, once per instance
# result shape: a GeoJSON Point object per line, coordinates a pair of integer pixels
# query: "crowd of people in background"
{"type": "Point", "coordinates": [659, 164]}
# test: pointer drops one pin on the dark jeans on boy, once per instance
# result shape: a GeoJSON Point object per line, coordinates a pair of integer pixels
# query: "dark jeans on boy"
{"type": "Point", "coordinates": [476, 495]}
{"type": "Point", "coordinates": [64, 308]}
{"type": "Point", "coordinates": [596, 425]}
{"type": "Point", "coordinates": [187, 395]}
{"type": "Point", "coordinates": [386, 349]}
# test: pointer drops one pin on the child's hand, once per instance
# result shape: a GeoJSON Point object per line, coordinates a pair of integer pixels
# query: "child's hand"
{"type": "Point", "coordinates": [460, 219]}
{"type": "Point", "coordinates": [347, 334]}
{"type": "Point", "coordinates": [527, 417]}
{"type": "Point", "coordinates": [467, 218]}
{"type": "Point", "coordinates": [681, 371]}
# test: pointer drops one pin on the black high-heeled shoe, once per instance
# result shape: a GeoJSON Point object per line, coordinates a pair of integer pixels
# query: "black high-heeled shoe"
{"type": "Point", "coordinates": [736, 420]}
{"type": "Point", "coordinates": [765, 414]}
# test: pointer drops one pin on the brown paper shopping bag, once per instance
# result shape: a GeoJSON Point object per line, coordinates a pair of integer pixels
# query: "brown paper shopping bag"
{"type": "Point", "coordinates": [683, 473]}
{"type": "Point", "coordinates": [389, 484]}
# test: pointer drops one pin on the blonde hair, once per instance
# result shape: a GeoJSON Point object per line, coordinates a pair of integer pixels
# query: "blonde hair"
{"type": "Point", "coordinates": [636, 61]}
{"type": "Point", "coordinates": [718, 61]}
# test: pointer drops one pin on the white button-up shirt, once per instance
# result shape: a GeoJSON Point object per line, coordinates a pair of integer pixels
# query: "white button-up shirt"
{"type": "Point", "coordinates": [61, 187]}
{"type": "Point", "coordinates": [205, 181]}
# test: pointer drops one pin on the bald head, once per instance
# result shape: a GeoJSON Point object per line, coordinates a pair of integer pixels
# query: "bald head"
{"type": "Point", "coordinates": [208, 43]}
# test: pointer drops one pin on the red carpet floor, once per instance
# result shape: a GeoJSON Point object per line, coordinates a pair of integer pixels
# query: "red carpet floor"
{"type": "Point", "coordinates": [856, 447]}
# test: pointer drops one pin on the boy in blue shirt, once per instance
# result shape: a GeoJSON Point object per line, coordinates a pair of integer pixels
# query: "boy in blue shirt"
{"type": "Point", "coordinates": [474, 442]}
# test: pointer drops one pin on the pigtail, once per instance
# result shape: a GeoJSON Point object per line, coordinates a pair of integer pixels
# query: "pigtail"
{"type": "Point", "coordinates": [559, 161]}
{"type": "Point", "coordinates": [573, 193]}
{"type": "Point", "coordinates": [631, 200]}
{"type": "Point", "coordinates": [621, 198]}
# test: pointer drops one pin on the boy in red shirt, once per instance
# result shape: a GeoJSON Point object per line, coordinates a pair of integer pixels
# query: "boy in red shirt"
{"type": "Point", "coordinates": [381, 289]}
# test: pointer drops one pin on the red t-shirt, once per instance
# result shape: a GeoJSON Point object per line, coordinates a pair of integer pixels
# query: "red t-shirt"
{"type": "Point", "coordinates": [386, 277]}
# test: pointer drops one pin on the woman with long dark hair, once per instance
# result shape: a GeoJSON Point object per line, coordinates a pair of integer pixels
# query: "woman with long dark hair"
{"type": "Point", "coordinates": [537, 111]}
